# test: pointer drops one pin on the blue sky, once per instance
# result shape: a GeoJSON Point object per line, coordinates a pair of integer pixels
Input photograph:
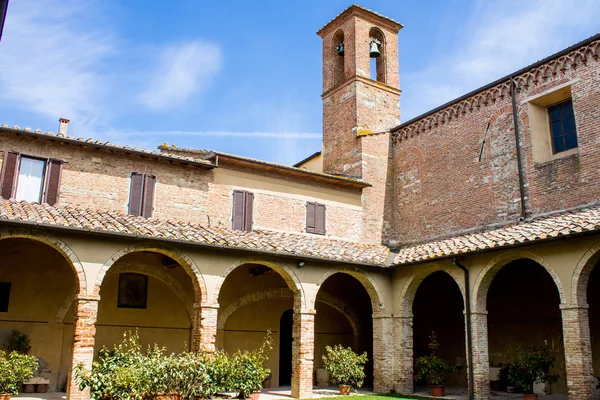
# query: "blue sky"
{"type": "Point", "coordinates": [244, 77]}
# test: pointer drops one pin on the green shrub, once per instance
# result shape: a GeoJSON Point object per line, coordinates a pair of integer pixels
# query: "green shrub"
{"type": "Point", "coordinates": [431, 369]}
{"type": "Point", "coordinates": [126, 372]}
{"type": "Point", "coordinates": [344, 366]}
{"type": "Point", "coordinates": [528, 365]}
{"type": "Point", "coordinates": [248, 370]}
{"type": "Point", "coordinates": [14, 369]}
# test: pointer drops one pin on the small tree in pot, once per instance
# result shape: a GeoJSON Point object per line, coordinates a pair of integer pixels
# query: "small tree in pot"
{"type": "Point", "coordinates": [345, 367]}
{"type": "Point", "coordinates": [14, 369]}
{"type": "Point", "coordinates": [432, 370]}
{"type": "Point", "coordinates": [529, 365]}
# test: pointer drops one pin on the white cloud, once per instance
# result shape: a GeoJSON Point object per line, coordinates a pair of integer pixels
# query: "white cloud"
{"type": "Point", "coordinates": [50, 58]}
{"type": "Point", "coordinates": [497, 39]}
{"type": "Point", "coordinates": [181, 71]}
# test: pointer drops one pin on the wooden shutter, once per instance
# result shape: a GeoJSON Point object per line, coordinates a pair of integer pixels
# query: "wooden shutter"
{"type": "Point", "coordinates": [310, 217]}
{"type": "Point", "coordinates": [320, 219]}
{"type": "Point", "coordinates": [238, 210]}
{"type": "Point", "coordinates": [9, 174]}
{"type": "Point", "coordinates": [135, 193]}
{"type": "Point", "coordinates": [148, 202]}
{"type": "Point", "coordinates": [53, 182]}
{"type": "Point", "coordinates": [249, 200]}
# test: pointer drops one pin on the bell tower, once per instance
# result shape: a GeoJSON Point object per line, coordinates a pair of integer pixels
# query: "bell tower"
{"type": "Point", "coordinates": [360, 85]}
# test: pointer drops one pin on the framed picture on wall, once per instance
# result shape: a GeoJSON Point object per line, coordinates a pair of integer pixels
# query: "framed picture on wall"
{"type": "Point", "coordinates": [133, 290]}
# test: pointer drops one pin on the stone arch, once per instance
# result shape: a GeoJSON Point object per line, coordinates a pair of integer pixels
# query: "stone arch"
{"type": "Point", "coordinates": [409, 291]}
{"type": "Point", "coordinates": [288, 275]}
{"type": "Point", "coordinates": [375, 293]}
{"type": "Point", "coordinates": [485, 277]}
{"type": "Point", "coordinates": [68, 301]}
{"type": "Point", "coordinates": [279, 293]}
{"type": "Point", "coordinates": [187, 263]}
{"type": "Point", "coordinates": [56, 244]}
{"type": "Point", "coordinates": [581, 275]}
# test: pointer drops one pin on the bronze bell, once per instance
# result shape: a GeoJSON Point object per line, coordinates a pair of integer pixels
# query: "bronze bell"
{"type": "Point", "coordinates": [374, 50]}
{"type": "Point", "coordinates": [340, 49]}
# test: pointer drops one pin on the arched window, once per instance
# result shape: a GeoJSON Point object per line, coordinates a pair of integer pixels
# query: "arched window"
{"type": "Point", "coordinates": [377, 54]}
{"type": "Point", "coordinates": [338, 58]}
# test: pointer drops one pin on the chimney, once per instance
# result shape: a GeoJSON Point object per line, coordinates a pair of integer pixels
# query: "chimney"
{"type": "Point", "coordinates": [63, 125]}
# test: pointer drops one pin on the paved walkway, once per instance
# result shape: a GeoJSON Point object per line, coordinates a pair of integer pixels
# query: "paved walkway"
{"type": "Point", "coordinates": [285, 393]}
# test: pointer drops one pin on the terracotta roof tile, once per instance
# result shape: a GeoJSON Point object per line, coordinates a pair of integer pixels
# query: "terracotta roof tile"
{"type": "Point", "coordinates": [298, 245]}
{"type": "Point", "coordinates": [549, 227]}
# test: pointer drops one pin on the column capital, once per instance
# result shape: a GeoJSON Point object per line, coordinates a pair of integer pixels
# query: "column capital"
{"type": "Point", "coordinates": [402, 316]}
{"type": "Point", "coordinates": [476, 312]}
{"type": "Point", "coordinates": [381, 315]}
{"type": "Point", "coordinates": [88, 297]}
{"type": "Point", "coordinates": [214, 306]}
{"type": "Point", "coordinates": [306, 312]}
{"type": "Point", "coordinates": [574, 306]}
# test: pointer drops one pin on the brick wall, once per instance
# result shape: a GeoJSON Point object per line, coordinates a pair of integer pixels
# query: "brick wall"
{"type": "Point", "coordinates": [441, 186]}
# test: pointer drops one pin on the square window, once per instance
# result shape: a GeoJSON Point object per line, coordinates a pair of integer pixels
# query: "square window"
{"type": "Point", "coordinates": [4, 296]}
{"type": "Point", "coordinates": [562, 126]}
{"type": "Point", "coordinates": [133, 290]}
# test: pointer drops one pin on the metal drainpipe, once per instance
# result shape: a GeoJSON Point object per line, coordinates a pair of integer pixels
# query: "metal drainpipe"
{"type": "Point", "coordinates": [469, 333]}
{"type": "Point", "coordinates": [519, 164]}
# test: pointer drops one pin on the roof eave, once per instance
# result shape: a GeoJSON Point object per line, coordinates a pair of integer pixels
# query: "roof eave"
{"type": "Point", "coordinates": [105, 147]}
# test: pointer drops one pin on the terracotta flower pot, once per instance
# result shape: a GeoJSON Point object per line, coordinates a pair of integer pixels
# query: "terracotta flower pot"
{"type": "Point", "coordinates": [4, 396]}
{"type": "Point", "coordinates": [28, 388]}
{"type": "Point", "coordinates": [437, 390]}
{"type": "Point", "coordinates": [530, 396]}
{"type": "Point", "coordinates": [254, 396]}
{"type": "Point", "coordinates": [41, 388]}
{"type": "Point", "coordinates": [345, 389]}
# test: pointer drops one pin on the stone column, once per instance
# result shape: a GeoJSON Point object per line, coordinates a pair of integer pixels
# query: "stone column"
{"type": "Point", "coordinates": [83, 343]}
{"type": "Point", "coordinates": [403, 354]}
{"type": "Point", "coordinates": [303, 350]}
{"type": "Point", "coordinates": [578, 352]}
{"type": "Point", "coordinates": [208, 327]}
{"type": "Point", "coordinates": [481, 359]}
{"type": "Point", "coordinates": [383, 353]}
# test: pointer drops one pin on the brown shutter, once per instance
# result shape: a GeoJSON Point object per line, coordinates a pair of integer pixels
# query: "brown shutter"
{"type": "Point", "coordinates": [237, 217]}
{"type": "Point", "coordinates": [9, 174]}
{"type": "Point", "coordinates": [135, 193]}
{"type": "Point", "coordinates": [148, 203]}
{"type": "Point", "coordinates": [310, 217]}
{"type": "Point", "coordinates": [248, 211]}
{"type": "Point", "coordinates": [53, 181]}
{"type": "Point", "coordinates": [320, 219]}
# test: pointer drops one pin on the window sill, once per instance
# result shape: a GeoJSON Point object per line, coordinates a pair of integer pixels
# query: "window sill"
{"type": "Point", "coordinates": [563, 154]}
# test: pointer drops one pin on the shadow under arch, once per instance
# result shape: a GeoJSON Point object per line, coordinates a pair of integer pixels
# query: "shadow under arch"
{"type": "Point", "coordinates": [409, 291]}
{"type": "Point", "coordinates": [486, 276]}
{"type": "Point", "coordinates": [581, 275]}
{"type": "Point", "coordinates": [286, 273]}
{"type": "Point", "coordinates": [56, 244]}
{"type": "Point", "coordinates": [279, 293]}
{"type": "Point", "coordinates": [366, 280]}
{"type": "Point", "coordinates": [182, 259]}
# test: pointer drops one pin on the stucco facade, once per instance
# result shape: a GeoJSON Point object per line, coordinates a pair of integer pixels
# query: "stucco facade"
{"type": "Point", "coordinates": [406, 207]}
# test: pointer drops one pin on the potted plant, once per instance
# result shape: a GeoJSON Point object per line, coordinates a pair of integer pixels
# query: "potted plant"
{"type": "Point", "coordinates": [345, 367]}
{"type": "Point", "coordinates": [248, 370]}
{"type": "Point", "coordinates": [529, 365]}
{"type": "Point", "coordinates": [14, 369]}
{"type": "Point", "coordinates": [432, 370]}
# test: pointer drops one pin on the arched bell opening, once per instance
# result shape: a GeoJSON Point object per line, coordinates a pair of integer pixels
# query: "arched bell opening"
{"type": "Point", "coordinates": [377, 55]}
{"type": "Point", "coordinates": [338, 57]}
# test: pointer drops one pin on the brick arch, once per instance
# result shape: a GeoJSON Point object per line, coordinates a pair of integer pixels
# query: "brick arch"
{"type": "Point", "coordinates": [409, 291]}
{"type": "Point", "coordinates": [581, 275]}
{"type": "Point", "coordinates": [57, 245]}
{"type": "Point", "coordinates": [485, 277]}
{"type": "Point", "coordinates": [66, 304]}
{"type": "Point", "coordinates": [281, 293]}
{"type": "Point", "coordinates": [187, 263]}
{"type": "Point", "coordinates": [377, 303]}
{"type": "Point", "coordinates": [288, 275]}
